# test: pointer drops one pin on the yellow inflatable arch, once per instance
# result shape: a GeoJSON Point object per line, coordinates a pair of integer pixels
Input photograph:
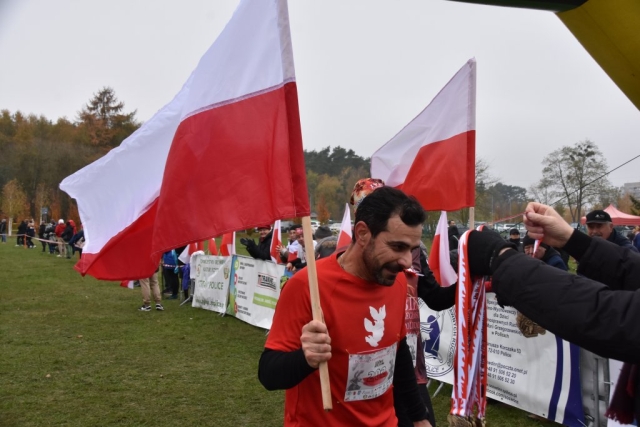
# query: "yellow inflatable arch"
{"type": "Point", "coordinates": [608, 29]}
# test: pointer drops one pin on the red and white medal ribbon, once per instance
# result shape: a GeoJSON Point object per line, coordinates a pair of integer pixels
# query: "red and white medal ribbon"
{"type": "Point", "coordinates": [470, 363]}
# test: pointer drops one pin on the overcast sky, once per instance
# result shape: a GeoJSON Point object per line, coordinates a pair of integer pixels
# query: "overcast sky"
{"type": "Point", "coordinates": [364, 69]}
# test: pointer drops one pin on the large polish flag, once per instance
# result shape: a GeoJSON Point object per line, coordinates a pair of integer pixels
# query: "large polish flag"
{"type": "Point", "coordinates": [439, 261]}
{"type": "Point", "coordinates": [433, 157]}
{"type": "Point", "coordinates": [226, 150]}
{"type": "Point", "coordinates": [345, 236]}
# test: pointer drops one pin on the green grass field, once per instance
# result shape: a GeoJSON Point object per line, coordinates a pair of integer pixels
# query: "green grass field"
{"type": "Point", "coordinates": [76, 352]}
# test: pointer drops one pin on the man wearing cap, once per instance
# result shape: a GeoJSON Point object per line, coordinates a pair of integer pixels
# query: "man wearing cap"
{"type": "Point", "coordinates": [263, 249]}
{"type": "Point", "coordinates": [514, 237]}
{"type": "Point", "coordinates": [599, 224]}
{"type": "Point", "coordinates": [363, 338]}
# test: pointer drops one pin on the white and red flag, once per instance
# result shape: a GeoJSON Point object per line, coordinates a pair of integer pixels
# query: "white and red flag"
{"type": "Point", "coordinates": [276, 240]}
{"type": "Point", "coordinates": [217, 148]}
{"type": "Point", "coordinates": [439, 261]}
{"type": "Point", "coordinates": [228, 244]}
{"type": "Point", "coordinates": [345, 237]}
{"type": "Point", "coordinates": [213, 248]}
{"type": "Point", "coordinates": [189, 250]}
{"type": "Point", "coordinates": [127, 284]}
{"type": "Point", "coordinates": [433, 157]}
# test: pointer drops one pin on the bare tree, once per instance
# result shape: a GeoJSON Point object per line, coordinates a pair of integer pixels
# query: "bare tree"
{"type": "Point", "coordinates": [577, 175]}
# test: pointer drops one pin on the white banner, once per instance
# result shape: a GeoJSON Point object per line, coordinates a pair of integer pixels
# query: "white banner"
{"type": "Point", "coordinates": [516, 365]}
{"type": "Point", "coordinates": [211, 274]}
{"type": "Point", "coordinates": [243, 287]}
{"type": "Point", "coordinates": [266, 291]}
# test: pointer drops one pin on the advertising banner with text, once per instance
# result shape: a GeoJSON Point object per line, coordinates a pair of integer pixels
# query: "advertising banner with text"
{"type": "Point", "coordinates": [243, 287]}
{"type": "Point", "coordinates": [211, 274]}
{"type": "Point", "coordinates": [516, 365]}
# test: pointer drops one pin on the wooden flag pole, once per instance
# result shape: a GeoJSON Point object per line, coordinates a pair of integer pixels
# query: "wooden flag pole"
{"type": "Point", "coordinates": [472, 219]}
{"type": "Point", "coordinates": [316, 310]}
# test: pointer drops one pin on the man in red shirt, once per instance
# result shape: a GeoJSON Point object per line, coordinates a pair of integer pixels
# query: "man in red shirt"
{"type": "Point", "coordinates": [62, 245]}
{"type": "Point", "coordinates": [362, 292]}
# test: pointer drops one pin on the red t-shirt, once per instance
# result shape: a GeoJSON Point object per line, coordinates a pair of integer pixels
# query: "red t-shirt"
{"type": "Point", "coordinates": [365, 321]}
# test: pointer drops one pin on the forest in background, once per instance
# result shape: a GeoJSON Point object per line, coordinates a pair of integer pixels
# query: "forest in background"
{"type": "Point", "coordinates": [37, 154]}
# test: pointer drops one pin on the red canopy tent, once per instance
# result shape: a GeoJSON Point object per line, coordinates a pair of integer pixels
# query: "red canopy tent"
{"type": "Point", "coordinates": [617, 217]}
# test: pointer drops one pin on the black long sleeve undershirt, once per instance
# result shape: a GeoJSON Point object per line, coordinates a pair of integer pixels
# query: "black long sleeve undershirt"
{"type": "Point", "coordinates": [405, 384]}
{"type": "Point", "coordinates": [429, 290]}
{"type": "Point", "coordinates": [281, 370]}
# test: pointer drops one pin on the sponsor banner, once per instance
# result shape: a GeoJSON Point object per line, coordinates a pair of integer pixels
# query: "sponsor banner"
{"type": "Point", "coordinates": [240, 289]}
{"type": "Point", "coordinates": [266, 292]}
{"type": "Point", "coordinates": [243, 287]}
{"type": "Point", "coordinates": [516, 364]}
{"type": "Point", "coordinates": [211, 274]}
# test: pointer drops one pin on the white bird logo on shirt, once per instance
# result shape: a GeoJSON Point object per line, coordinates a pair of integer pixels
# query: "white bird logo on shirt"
{"type": "Point", "coordinates": [376, 328]}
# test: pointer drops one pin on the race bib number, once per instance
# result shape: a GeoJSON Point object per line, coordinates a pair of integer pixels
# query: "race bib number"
{"type": "Point", "coordinates": [370, 374]}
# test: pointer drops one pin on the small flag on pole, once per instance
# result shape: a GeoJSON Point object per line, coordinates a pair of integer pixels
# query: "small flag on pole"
{"type": "Point", "coordinates": [276, 241]}
{"type": "Point", "coordinates": [345, 236]}
{"type": "Point", "coordinates": [439, 257]}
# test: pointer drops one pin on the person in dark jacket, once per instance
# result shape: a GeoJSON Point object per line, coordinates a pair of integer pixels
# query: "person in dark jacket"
{"type": "Point", "coordinates": [599, 224]}
{"type": "Point", "coordinates": [454, 235]}
{"type": "Point", "coordinates": [3, 230]}
{"type": "Point", "coordinates": [22, 233]}
{"type": "Point", "coordinates": [41, 234]}
{"type": "Point", "coordinates": [262, 249]}
{"type": "Point", "coordinates": [31, 233]}
{"type": "Point", "coordinates": [598, 309]}
{"type": "Point", "coordinates": [66, 236]}
{"type": "Point", "coordinates": [514, 237]}
{"type": "Point", "coordinates": [77, 242]}
{"type": "Point", "coordinates": [50, 235]}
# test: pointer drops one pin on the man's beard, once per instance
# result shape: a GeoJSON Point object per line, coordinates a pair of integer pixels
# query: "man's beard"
{"type": "Point", "coordinates": [376, 270]}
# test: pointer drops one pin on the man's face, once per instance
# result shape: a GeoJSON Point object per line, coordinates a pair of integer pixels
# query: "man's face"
{"type": "Point", "coordinates": [600, 229]}
{"type": "Point", "coordinates": [514, 236]}
{"type": "Point", "coordinates": [539, 252]}
{"type": "Point", "coordinates": [262, 232]}
{"type": "Point", "coordinates": [292, 236]}
{"type": "Point", "coordinates": [452, 223]}
{"type": "Point", "coordinates": [389, 252]}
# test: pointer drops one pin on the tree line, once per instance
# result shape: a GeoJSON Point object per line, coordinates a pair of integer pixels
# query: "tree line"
{"type": "Point", "coordinates": [38, 154]}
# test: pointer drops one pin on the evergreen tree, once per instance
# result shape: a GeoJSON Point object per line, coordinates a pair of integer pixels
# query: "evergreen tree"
{"type": "Point", "coordinates": [103, 120]}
